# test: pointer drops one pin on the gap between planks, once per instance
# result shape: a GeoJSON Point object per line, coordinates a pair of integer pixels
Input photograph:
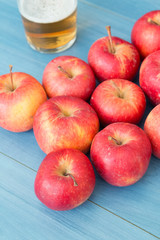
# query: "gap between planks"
{"type": "Point", "coordinates": [24, 165]}
{"type": "Point", "coordinates": [108, 11]}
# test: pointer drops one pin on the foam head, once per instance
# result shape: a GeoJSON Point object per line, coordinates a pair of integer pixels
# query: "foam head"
{"type": "Point", "coordinates": [45, 11]}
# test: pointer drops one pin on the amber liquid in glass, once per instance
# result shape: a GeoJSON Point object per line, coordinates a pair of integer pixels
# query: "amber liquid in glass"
{"type": "Point", "coordinates": [50, 36]}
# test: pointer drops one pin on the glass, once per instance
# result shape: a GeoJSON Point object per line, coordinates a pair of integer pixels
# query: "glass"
{"type": "Point", "coordinates": [50, 25]}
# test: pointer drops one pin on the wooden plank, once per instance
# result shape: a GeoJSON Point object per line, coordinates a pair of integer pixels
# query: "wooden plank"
{"type": "Point", "coordinates": [22, 216]}
{"type": "Point", "coordinates": [131, 10]}
{"type": "Point", "coordinates": [138, 204]}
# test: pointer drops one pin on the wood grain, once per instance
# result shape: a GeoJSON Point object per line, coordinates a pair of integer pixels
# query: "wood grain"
{"type": "Point", "coordinates": [23, 216]}
{"type": "Point", "coordinates": [116, 213]}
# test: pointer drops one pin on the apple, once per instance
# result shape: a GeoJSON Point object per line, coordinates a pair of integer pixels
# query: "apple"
{"type": "Point", "coordinates": [152, 129]}
{"type": "Point", "coordinates": [121, 153]}
{"type": "Point", "coordinates": [113, 57]}
{"type": "Point", "coordinates": [65, 122]}
{"type": "Point", "coordinates": [145, 33]}
{"type": "Point", "coordinates": [20, 96]}
{"type": "Point", "coordinates": [118, 100]}
{"type": "Point", "coordinates": [68, 76]}
{"type": "Point", "coordinates": [65, 179]}
{"type": "Point", "coordinates": [149, 77]}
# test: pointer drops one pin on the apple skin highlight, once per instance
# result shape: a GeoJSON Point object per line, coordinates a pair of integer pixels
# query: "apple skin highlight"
{"type": "Point", "coordinates": [121, 153]}
{"type": "Point", "coordinates": [149, 77]}
{"type": "Point", "coordinates": [152, 129]}
{"type": "Point", "coordinates": [145, 33]}
{"type": "Point", "coordinates": [65, 122]}
{"type": "Point", "coordinates": [68, 76]}
{"type": "Point", "coordinates": [53, 185]}
{"type": "Point", "coordinates": [19, 102]}
{"type": "Point", "coordinates": [123, 63]}
{"type": "Point", "coordinates": [118, 100]}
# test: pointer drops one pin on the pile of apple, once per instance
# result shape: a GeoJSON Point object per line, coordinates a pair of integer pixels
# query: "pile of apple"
{"type": "Point", "coordinates": [71, 116]}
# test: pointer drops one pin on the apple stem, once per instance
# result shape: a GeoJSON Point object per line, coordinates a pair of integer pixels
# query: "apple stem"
{"type": "Point", "coordinates": [119, 91]}
{"type": "Point", "coordinates": [115, 140]}
{"type": "Point", "coordinates": [152, 21]}
{"type": "Point", "coordinates": [64, 71]}
{"type": "Point", "coordinates": [73, 178]}
{"type": "Point", "coordinates": [110, 39]}
{"type": "Point", "coordinates": [11, 75]}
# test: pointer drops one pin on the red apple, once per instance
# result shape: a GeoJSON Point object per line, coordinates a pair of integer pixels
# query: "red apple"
{"type": "Point", "coordinates": [20, 96]}
{"type": "Point", "coordinates": [65, 122]}
{"type": "Point", "coordinates": [112, 57]}
{"type": "Point", "coordinates": [118, 100]}
{"type": "Point", "coordinates": [121, 153]}
{"type": "Point", "coordinates": [146, 33]}
{"type": "Point", "coordinates": [65, 179]}
{"type": "Point", "coordinates": [152, 129]}
{"type": "Point", "coordinates": [149, 77]}
{"type": "Point", "coordinates": [69, 76]}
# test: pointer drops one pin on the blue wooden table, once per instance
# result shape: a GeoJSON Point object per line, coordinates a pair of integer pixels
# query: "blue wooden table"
{"type": "Point", "coordinates": [111, 213]}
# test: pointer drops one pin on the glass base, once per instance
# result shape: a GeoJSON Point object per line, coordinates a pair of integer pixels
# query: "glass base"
{"type": "Point", "coordinates": [55, 50]}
